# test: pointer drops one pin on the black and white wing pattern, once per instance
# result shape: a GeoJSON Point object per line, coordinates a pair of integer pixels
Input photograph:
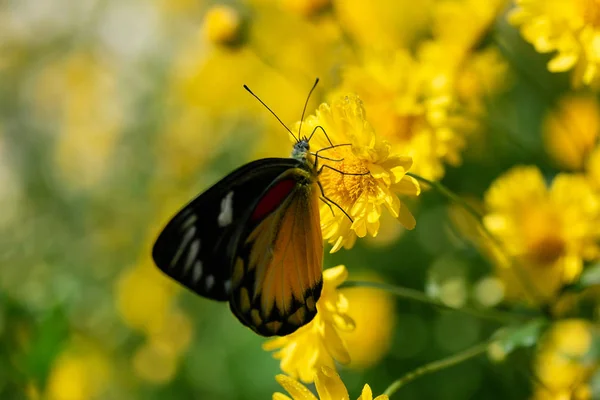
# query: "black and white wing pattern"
{"type": "Point", "coordinates": [197, 246]}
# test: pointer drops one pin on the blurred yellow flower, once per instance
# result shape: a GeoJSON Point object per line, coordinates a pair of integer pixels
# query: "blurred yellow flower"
{"type": "Point", "coordinates": [593, 168]}
{"type": "Point", "coordinates": [571, 131]}
{"type": "Point", "coordinates": [570, 29]}
{"type": "Point", "coordinates": [144, 297]}
{"type": "Point", "coordinates": [561, 366]}
{"type": "Point", "coordinates": [319, 343]}
{"type": "Point", "coordinates": [222, 25]}
{"type": "Point", "coordinates": [329, 387]}
{"type": "Point", "coordinates": [549, 231]}
{"type": "Point", "coordinates": [367, 174]}
{"type": "Point", "coordinates": [373, 312]}
{"type": "Point", "coordinates": [463, 23]}
{"type": "Point", "coordinates": [81, 372]}
{"type": "Point", "coordinates": [408, 103]}
{"type": "Point", "coordinates": [378, 23]}
{"type": "Point", "coordinates": [306, 8]}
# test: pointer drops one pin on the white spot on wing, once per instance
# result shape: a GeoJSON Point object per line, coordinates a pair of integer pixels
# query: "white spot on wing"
{"type": "Point", "coordinates": [191, 220]}
{"type": "Point", "coordinates": [227, 286]}
{"type": "Point", "coordinates": [226, 215]}
{"type": "Point", "coordinates": [189, 235]}
{"type": "Point", "coordinates": [210, 282]}
{"type": "Point", "coordinates": [197, 272]}
{"type": "Point", "coordinates": [192, 254]}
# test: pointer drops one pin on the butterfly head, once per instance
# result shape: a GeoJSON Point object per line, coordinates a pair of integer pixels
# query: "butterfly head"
{"type": "Point", "coordinates": [301, 148]}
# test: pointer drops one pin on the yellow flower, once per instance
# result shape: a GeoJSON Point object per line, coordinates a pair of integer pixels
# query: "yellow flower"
{"type": "Point", "coordinates": [222, 25]}
{"type": "Point", "coordinates": [379, 22]}
{"type": "Point", "coordinates": [571, 131]}
{"type": "Point", "coordinates": [462, 23]}
{"type": "Point", "coordinates": [408, 103]}
{"type": "Point", "coordinates": [81, 371]}
{"type": "Point", "coordinates": [144, 297]}
{"type": "Point", "coordinates": [368, 174]}
{"type": "Point", "coordinates": [373, 312]}
{"type": "Point", "coordinates": [561, 366]}
{"type": "Point", "coordinates": [319, 342]}
{"type": "Point", "coordinates": [329, 387]}
{"type": "Point", "coordinates": [548, 231]}
{"type": "Point", "coordinates": [306, 8]}
{"type": "Point", "coordinates": [570, 29]}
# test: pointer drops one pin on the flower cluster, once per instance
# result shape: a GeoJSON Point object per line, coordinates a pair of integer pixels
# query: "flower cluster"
{"type": "Point", "coordinates": [358, 172]}
{"type": "Point", "coordinates": [569, 29]}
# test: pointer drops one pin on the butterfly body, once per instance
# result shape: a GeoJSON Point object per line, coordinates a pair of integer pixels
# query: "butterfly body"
{"type": "Point", "coordinates": [253, 239]}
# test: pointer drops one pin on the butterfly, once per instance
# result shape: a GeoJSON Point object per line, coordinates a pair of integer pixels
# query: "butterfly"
{"type": "Point", "coordinates": [254, 239]}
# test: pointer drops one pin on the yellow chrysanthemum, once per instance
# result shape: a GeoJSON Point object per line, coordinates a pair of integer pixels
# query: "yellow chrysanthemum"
{"type": "Point", "coordinates": [373, 312]}
{"type": "Point", "coordinates": [462, 23]}
{"type": "Point", "coordinates": [379, 22]}
{"type": "Point", "coordinates": [319, 342]}
{"type": "Point", "coordinates": [548, 231]}
{"type": "Point", "coordinates": [561, 366]}
{"type": "Point", "coordinates": [329, 387]}
{"type": "Point", "coordinates": [571, 29]}
{"type": "Point", "coordinates": [571, 131]}
{"type": "Point", "coordinates": [408, 106]}
{"type": "Point", "coordinates": [368, 174]}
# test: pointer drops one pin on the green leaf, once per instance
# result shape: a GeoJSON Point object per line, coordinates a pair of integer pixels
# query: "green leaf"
{"type": "Point", "coordinates": [590, 276]}
{"type": "Point", "coordinates": [524, 335]}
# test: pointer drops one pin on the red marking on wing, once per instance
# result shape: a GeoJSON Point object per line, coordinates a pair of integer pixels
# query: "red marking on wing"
{"type": "Point", "coordinates": [273, 198]}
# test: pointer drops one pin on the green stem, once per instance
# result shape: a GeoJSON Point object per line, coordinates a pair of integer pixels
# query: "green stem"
{"type": "Point", "coordinates": [438, 365]}
{"type": "Point", "coordinates": [412, 294]}
{"type": "Point", "coordinates": [529, 290]}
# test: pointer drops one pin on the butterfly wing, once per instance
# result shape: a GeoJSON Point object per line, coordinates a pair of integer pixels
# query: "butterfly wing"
{"type": "Point", "coordinates": [197, 246]}
{"type": "Point", "coordinates": [277, 273]}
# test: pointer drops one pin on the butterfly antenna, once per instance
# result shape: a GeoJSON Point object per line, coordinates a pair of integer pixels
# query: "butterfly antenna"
{"type": "Point", "coordinates": [271, 111]}
{"type": "Point", "coordinates": [305, 105]}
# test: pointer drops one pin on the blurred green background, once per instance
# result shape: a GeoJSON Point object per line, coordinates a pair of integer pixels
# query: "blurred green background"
{"type": "Point", "coordinates": [113, 114]}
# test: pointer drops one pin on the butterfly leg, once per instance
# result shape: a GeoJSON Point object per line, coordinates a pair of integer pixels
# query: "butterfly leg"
{"type": "Point", "coordinates": [333, 202]}
{"type": "Point", "coordinates": [329, 148]}
{"type": "Point", "coordinates": [327, 203]}
{"type": "Point", "coordinates": [341, 172]}
{"type": "Point", "coordinates": [323, 130]}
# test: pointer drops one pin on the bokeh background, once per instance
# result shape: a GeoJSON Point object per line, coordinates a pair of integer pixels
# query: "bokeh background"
{"type": "Point", "coordinates": [113, 114]}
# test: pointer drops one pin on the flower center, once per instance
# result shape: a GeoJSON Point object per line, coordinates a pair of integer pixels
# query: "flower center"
{"type": "Point", "coordinates": [546, 250]}
{"type": "Point", "coordinates": [345, 186]}
{"type": "Point", "coordinates": [544, 243]}
{"type": "Point", "coordinates": [591, 12]}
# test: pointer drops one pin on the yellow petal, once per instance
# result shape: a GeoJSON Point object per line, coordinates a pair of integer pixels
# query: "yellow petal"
{"type": "Point", "coordinates": [335, 276]}
{"type": "Point", "coordinates": [297, 390]}
{"type": "Point", "coordinates": [274, 344]}
{"type": "Point", "coordinates": [344, 322]}
{"type": "Point", "coordinates": [366, 394]}
{"type": "Point", "coordinates": [335, 345]}
{"type": "Point", "coordinates": [406, 218]}
{"type": "Point", "coordinates": [378, 172]}
{"type": "Point", "coordinates": [408, 186]}
{"type": "Point", "coordinates": [562, 62]}
{"type": "Point", "coordinates": [330, 386]}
